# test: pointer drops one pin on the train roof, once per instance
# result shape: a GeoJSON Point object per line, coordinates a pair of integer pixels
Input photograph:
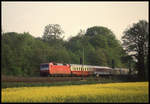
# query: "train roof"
{"type": "Point", "coordinates": [121, 69]}
{"type": "Point", "coordinates": [81, 65]}
{"type": "Point", "coordinates": [102, 67]}
{"type": "Point", "coordinates": [90, 66]}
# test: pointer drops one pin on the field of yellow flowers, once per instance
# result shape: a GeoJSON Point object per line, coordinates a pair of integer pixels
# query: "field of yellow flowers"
{"type": "Point", "coordinates": [109, 92]}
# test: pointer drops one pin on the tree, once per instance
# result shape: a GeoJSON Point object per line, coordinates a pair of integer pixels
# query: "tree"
{"type": "Point", "coordinates": [104, 39]}
{"type": "Point", "coordinates": [81, 33]}
{"type": "Point", "coordinates": [97, 30]}
{"type": "Point", "coordinates": [99, 41]}
{"type": "Point", "coordinates": [97, 57]}
{"type": "Point", "coordinates": [52, 31]}
{"type": "Point", "coordinates": [135, 42]}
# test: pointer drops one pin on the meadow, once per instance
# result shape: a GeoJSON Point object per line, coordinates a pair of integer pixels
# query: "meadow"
{"type": "Point", "coordinates": [100, 92]}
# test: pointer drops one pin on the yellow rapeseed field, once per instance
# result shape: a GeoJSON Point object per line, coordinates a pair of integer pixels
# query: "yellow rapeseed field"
{"type": "Point", "coordinates": [113, 92]}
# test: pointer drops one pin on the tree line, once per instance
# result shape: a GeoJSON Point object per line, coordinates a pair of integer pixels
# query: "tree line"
{"type": "Point", "coordinates": [22, 53]}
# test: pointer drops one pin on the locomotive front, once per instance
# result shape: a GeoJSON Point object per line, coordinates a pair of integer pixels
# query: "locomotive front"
{"type": "Point", "coordinates": [45, 69]}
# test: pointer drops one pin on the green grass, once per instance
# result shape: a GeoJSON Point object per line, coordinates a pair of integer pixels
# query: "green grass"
{"type": "Point", "coordinates": [106, 92]}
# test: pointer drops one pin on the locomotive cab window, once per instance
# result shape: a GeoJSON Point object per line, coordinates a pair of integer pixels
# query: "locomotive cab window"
{"type": "Point", "coordinates": [44, 67]}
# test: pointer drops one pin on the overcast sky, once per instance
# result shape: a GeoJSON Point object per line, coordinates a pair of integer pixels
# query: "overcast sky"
{"type": "Point", "coordinates": [32, 17]}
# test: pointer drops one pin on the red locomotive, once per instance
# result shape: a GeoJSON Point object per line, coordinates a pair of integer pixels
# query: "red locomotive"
{"type": "Point", "coordinates": [54, 69]}
{"type": "Point", "coordinates": [58, 69]}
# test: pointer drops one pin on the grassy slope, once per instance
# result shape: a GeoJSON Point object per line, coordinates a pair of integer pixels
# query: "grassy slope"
{"type": "Point", "coordinates": [109, 92]}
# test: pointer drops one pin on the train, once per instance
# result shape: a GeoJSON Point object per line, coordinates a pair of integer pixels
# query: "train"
{"type": "Point", "coordinates": [60, 69]}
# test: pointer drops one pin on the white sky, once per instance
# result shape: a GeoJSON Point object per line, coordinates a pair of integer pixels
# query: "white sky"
{"type": "Point", "coordinates": [32, 17]}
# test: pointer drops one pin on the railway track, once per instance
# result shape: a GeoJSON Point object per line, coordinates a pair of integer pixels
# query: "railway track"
{"type": "Point", "coordinates": [57, 79]}
{"type": "Point", "coordinates": [40, 79]}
